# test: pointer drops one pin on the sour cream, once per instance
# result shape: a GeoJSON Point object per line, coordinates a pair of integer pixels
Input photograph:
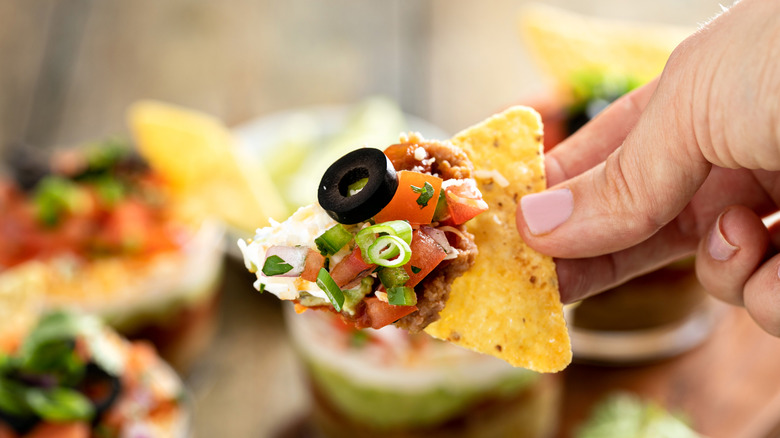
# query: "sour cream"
{"type": "Point", "coordinates": [300, 229]}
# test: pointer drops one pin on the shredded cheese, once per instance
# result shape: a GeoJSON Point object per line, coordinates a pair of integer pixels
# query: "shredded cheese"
{"type": "Point", "coordinates": [493, 175]}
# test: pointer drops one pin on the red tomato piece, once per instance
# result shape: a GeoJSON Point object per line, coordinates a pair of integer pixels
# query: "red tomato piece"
{"type": "Point", "coordinates": [351, 268]}
{"type": "Point", "coordinates": [7, 432]}
{"type": "Point", "coordinates": [426, 255]}
{"type": "Point", "coordinates": [464, 202]}
{"type": "Point", "coordinates": [60, 430]}
{"type": "Point", "coordinates": [314, 262]}
{"type": "Point", "coordinates": [379, 313]}
{"type": "Point", "coordinates": [413, 200]}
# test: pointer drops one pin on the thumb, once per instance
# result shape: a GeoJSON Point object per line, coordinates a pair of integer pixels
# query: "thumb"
{"type": "Point", "coordinates": [639, 188]}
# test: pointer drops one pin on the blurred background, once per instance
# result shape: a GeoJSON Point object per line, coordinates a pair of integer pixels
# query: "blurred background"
{"type": "Point", "coordinates": [69, 69]}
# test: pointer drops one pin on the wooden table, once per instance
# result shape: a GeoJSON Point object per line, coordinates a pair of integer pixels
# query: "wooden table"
{"type": "Point", "coordinates": [728, 387]}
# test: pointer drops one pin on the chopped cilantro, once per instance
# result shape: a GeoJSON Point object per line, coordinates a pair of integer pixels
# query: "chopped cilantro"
{"type": "Point", "coordinates": [426, 193]}
{"type": "Point", "coordinates": [275, 265]}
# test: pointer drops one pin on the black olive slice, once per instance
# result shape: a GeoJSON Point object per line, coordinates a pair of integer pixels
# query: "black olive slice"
{"type": "Point", "coordinates": [102, 388]}
{"type": "Point", "coordinates": [333, 193]}
{"type": "Point", "coordinates": [20, 425]}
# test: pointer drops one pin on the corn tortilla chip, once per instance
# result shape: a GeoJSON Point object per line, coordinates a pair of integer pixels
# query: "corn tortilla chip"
{"type": "Point", "coordinates": [565, 43]}
{"type": "Point", "coordinates": [507, 305]}
{"type": "Point", "coordinates": [197, 155]}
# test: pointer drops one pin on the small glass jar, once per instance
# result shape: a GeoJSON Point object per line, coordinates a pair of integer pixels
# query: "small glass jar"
{"type": "Point", "coordinates": [389, 383]}
{"type": "Point", "coordinates": [655, 316]}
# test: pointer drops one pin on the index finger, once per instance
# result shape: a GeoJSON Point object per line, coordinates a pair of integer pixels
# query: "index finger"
{"type": "Point", "coordinates": [592, 143]}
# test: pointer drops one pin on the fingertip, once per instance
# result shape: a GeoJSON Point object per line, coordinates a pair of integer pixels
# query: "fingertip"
{"type": "Point", "coordinates": [731, 252]}
{"type": "Point", "coordinates": [762, 296]}
{"type": "Point", "coordinates": [545, 211]}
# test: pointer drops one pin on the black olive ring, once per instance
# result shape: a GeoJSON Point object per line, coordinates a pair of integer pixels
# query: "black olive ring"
{"type": "Point", "coordinates": [333, 192]}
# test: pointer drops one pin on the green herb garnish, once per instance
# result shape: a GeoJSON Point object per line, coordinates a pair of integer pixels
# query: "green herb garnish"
{"type": "Point", "coordinates": [426, 193]}
{"type": "Point", "coordinates": [331, 289]}
{"type": "Point", "coordinates": [275, 265]}
{"type": "Point", "coordinates": [59, 404]}
{"type": "Point", "coordinates": [332, 240]}
{"type": "Point", "coordinates": [416, 270]}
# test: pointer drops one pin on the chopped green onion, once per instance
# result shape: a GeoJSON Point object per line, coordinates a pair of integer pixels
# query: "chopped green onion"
{"type": "Point", "coordinates": [261, 289]}
{"type": "Point", "coordinates": [402, 229]}
{"type": "Point", "coordinates": [357, 186]}
{"type": "Point", "coordinates": [12, 396]}
{"type": "Point", "coordinates": [60, 404]}
{"type": "Point", "coordinates": [367, 236]}
{"type": "Point", "coordinates": [416, 270]}
{"type": "Point", "coordinates": [391, 277]}
{"type": "Point", "coordinates": [386, 248]}
{"type": "Point", "coordinates": [332, 240]}
{"type": "Point", "coordinates": [275, 265]}
{"type": "Point", "coordinates": [426, 193]}
{"type": "Point", "coordinates": [331, 289]}
{"type": "Point", "coordinates": [401, 296]}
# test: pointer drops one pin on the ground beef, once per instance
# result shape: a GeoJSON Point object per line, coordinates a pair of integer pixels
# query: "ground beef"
{"type": "Point", "coordinates": [433, 291]}
{"type": "Point", "coordinates": [442, 159]}
{"type": "Point", "coordinates": [446, 161]}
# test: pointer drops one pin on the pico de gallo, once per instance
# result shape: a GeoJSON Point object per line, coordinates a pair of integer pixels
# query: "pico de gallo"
{"type": "Point", "coordinates": [73, 377]}
{"type": "Point", "coordinates": [92, 203]}
{"type": "Point", "coordinates": [385, 240]}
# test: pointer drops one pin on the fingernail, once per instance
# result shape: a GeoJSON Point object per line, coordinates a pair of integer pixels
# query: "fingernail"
{"type": "Point", "coordinates": [545, 211]}
{"type": "Point", "coordinates": [718, 246]}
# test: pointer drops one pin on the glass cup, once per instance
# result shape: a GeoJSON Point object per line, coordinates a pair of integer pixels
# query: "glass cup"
{"type": "Point", "coordinates": [389, 383]}
{"type": "Point", "coordinates": [657, 315]}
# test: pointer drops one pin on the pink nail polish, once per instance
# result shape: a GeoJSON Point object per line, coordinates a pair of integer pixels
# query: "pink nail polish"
{"type": "Point", "coordinates": [719, 248]}
{"type": "Point", "coordinates": [545, 211]}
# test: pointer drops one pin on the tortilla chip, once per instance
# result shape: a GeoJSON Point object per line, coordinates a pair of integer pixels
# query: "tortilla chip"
{"type": "Point", "coordinates": [200, 160]}
{"type": "Point", "coordinates": [507, 305]}
{"type": "Point", "coordinates": [565, 44]}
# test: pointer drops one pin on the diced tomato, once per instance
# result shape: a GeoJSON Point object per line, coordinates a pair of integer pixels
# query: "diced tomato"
{"type": "Point", "coordinates": [405, 205]}
{"type": "Point", "coordinates": [426, 255]}
{"type": "Point", "coordinates": [314, 262]}
{"type": "Point", "coordinates": [7, 432]}
{"type": "Point", "coordinates": [379, 313]}
{"type": "Point", "coordinates": [351, 268]}
{"type": "Point", "coordinates": [127, 227]}
{"type": "Point", "coordinates": [74, 429]}
{"type": "Point", "coordinates": [464, 202]}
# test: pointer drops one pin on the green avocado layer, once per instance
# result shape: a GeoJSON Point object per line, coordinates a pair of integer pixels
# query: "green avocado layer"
{"type": "Point", "coordinates": [385, 406]}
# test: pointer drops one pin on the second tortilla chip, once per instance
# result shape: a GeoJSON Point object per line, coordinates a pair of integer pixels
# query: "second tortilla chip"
{"type": "Point", "coordinates": [507, 305]}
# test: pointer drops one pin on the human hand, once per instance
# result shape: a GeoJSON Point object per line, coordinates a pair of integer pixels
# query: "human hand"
{"type": "Point", "coordinates": [689, 163]}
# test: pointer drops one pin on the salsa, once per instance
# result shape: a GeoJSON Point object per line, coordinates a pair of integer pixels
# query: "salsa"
{"type": "Point", "coordinates": [90, 204]}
